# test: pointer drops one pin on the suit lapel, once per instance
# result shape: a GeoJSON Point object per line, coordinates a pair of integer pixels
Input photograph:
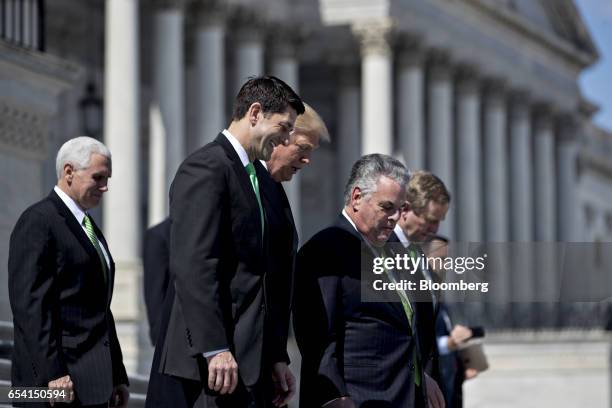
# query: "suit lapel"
{"type": "Point", "coordinates": [275, 195]}
{"type": "Point", "coordinates": [396, 307]}
{"type": "Point", "coordinates": [83, 239]}
{"type": "Point", "coordinates": [74, 226]}
{"type": "Point", "coordinates": [244, 181]}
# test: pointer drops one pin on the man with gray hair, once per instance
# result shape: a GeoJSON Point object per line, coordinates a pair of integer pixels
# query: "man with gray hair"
{"type": "Point", "coordinates": [61, 277]}
{"type": "Point", "coordinates": [355, 353]}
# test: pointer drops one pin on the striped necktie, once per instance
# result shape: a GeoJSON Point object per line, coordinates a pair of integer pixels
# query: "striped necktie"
{"type": "Point", "coordinates": [91, 234]}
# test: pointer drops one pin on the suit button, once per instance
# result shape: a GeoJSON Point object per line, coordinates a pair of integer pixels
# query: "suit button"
{"type": "Point", "coordinates": [411, 367]}
{"type": "Point", "coordinates": [106, 343]}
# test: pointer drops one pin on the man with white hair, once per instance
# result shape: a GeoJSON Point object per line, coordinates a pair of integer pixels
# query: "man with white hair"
{"type": "Point", "coordinates": [61, 277]}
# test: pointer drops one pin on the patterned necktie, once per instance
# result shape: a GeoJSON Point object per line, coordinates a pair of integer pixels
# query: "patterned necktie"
{"type": "Point", "coordinates": [91, 234]}
{"type": "Point", "coordinates": [250, 168]}
{"type": "Point", "coordinates": [409, 314]}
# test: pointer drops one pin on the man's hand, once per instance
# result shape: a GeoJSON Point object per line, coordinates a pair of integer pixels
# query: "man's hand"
{"type": "Point", "coordinates": [284, 384]}
{"type": "Point", "coordinates": [342, 402]}
{"type": "Point", "coordinates": [65, 383]}
{"type": "Point", "coordinates": [120, 396]}
{"type": "Point", "coordinates": [434, 395]}
{"type": "Point", "coordinates": [458, 335]}
{"type": "Point", "coordinates": [470, 373]}
{"type": "Point", "coordinates": [222, 372]}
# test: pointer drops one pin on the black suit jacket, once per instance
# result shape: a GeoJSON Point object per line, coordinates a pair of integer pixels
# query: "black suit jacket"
{"type": "Point", "coordinates": [281, 248]}
{"type": "Point", "coordinates": [349, 347]}
{"type": "Point", "coordinates": [217, 262]}
{"type": "Point", "coordinates": [281, 245]}
{"type": "Point", "coordinates": [427, 312]}
{"type": "Point", "coordinates": [156, 263]}
{"type": "Point", "coordinates": [61, 304]}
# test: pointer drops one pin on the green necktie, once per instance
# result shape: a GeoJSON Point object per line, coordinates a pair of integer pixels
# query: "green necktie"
{"type": "Point", "coordinates": [250, 168]}
{"type": "Point", "coordinates": [409, 313]}
{"type": "Point", "coordinates": [91, 234]}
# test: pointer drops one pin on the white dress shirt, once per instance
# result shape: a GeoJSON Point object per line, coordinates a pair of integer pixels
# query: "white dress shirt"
{"type": "Point", "coordinates": [79, 214]}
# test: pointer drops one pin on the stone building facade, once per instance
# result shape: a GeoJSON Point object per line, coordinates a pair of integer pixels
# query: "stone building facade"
{"type": "Point", "coordinates": [482, 92]}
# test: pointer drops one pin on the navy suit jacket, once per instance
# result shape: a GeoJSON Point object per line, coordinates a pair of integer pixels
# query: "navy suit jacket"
{"type": "Point", "coordinates": [350, 348]}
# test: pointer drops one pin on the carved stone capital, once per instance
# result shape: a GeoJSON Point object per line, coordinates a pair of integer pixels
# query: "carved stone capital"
{"type": "Point", "coordinates": [246, 24]}
{"type": "Point", "coordinates": [169, 4]}
{"type": "Point", "coordinates": [285, 41]}
{"type": "Point", "coordinates": [567, 125]}
{"type": "Point", "coordinates": [375, 37]}
{"type": "Point", "coordinates": [543, 114]}
{"type": "Point", "coordinates": [520, 103]}
{"type": "Point", "coordinates": [467, 79]}
{"type": "Point", "coordinates": [209, 12]}
{"type": "Point", "coordinates": [409, 50]}
{"type": "Point", "coordinates": [494, 90]}
{"type": "Point", "coordinates": [439, 63]}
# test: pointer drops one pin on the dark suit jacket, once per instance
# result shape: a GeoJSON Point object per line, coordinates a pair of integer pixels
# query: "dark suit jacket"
{"type": "Point", "coordinates": [281, 245]}
{"type": "Point", "coordinates": [281, 248]}
{"type": "Point", "coordinates": [61, 304]}
{"type": "Point", "coordinates": [349, 347]}
{"type": "Point", "coordinates": [451, 367]}
{"type": "Point", "coordinates": [217, 262]}
{"type": "Point", "coordinates": [427, 315]}
{"type": "Point", "coordinates": [156, 262]}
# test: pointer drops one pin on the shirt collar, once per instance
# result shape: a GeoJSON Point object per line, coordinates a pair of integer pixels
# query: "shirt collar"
{"type": "Point", "coordinates": [71, 204]}
{"type": "Point", "coordinates": [349, 220]}
{"type": "Point", "coordinates": [244, 157]}
{"type": "Point", "coordinates": [401, 236]}
{"type": "Point", "coordinates": [263, 163]}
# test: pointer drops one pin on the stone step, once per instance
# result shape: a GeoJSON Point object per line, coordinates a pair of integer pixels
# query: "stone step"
{"type": "Point", "coordinates": [5, 369]}
{"type": "Point", "coordinates": [138, 384]}
{"type": "Point", "coordinates": [6, 330]}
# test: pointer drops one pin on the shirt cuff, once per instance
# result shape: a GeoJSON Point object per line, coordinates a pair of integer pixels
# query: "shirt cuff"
{"type": "Point", "coordinates": [443, 345]}
{"type": "Point", "coordinates": [214, 353]}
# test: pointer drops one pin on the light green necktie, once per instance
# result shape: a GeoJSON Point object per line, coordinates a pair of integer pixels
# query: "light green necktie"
{"type": "Point", "coordinates": [91, 234]}
{"type": "Point", "coordinates": [250, 168]}
{"type": "Point", "coordinates": [409, 313]}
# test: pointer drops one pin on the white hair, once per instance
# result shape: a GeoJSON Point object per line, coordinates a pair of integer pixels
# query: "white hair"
{"type": "Point", "coordinates": [77, 152]}
{"type": "Point", "coordinates": [368, 169]}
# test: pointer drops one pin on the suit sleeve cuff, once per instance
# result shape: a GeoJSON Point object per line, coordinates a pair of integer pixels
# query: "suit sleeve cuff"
{"type": "Point", "coordinates": [214, 352]}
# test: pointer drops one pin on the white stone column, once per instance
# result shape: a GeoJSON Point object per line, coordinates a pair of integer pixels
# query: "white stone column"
{"type": "Point", "coordinates": [469, 159]}
{"type": "Point", "coordinates": [524, 281]}
{"type": "Point", "coordinates": [9, 7]}
{"type": "Point", "coordinates": [121, 204]}
{"type": "Point", "coordinates": [496, 153]}
{"type": "Point", "coordinates": [286, 67]}
{"type": "Point", "coordinates": [569, 229]}
{"type": "Point", "coordinates": [168, 97]}
{"type": "Point", "coordinates": [249, 48]}
{"type": "Point", "coordinates": [376, 92]}
{"type": "Point", "coordinates": [545, 177]}
{"type": "Point", "coordinates": [210, 73]}
{"type": "Point", "coordinates": [495, 199]}
{"type": "Point", "coordinates": [411, 99]}
{"type": "Point", "coordinates": [521, 170]}
{"type": "Point", "coordinates": [440, 149]}
{"type": "Point", "coordinates": [349, 140]}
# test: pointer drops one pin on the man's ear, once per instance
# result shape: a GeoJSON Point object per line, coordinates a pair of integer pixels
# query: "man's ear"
{"type": "Point", "coordinates": [356, 198]}
{"type": "Point", "coordinates": [68, 172]}
{"type": "Point", "coordinates": [253, 113]}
